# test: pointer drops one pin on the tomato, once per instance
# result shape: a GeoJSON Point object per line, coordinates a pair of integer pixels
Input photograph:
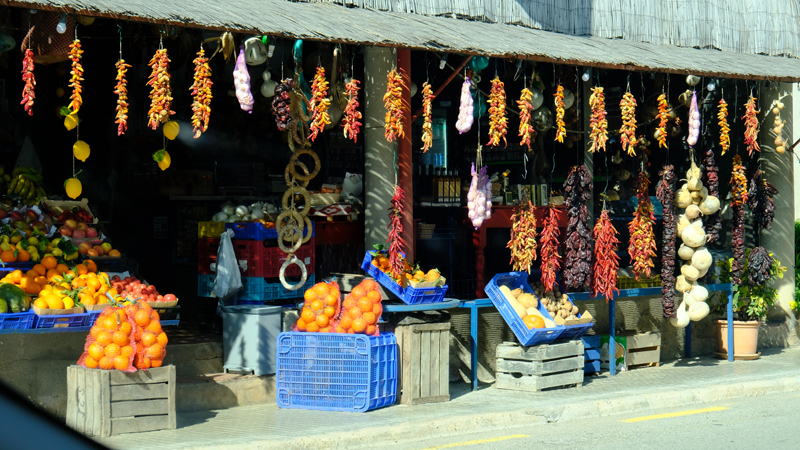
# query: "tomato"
{"type": "Point", "coordinates": [170, 298]}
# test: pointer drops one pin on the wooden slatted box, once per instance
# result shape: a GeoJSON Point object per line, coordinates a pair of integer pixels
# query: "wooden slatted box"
{"type": "Point", "coordinates": [425, 363]}
{"type": "Point", "coordinates": [541, 367]}
{"type": "Point", "coordinates": [109, 402]}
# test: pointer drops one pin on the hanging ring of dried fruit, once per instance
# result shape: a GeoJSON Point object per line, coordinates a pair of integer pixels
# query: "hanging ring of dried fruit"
{"type": "Point", "coordinates": [526, 130]}
{"type": "Point", "coordinates": [751, 126]}
{"type": "Point", "coordinates": [498, 122]}
{"type": "Point", "coordinates": [319, 104]}
{"type": "Point", "coordinates": [28, 93]}
{"type": "Point", "coordinates": [75, 54]}
{"type": "Point", "coordinates": [663, 118]}
{"type": "Point", "coordinates": [642, 242]}
{"type": "Point", "coordinates": [161, 92]}
{"type": "Point", "coordinates": [606, 260]}
{"type": "Point", "coordinates": [561, 131]}
{"type": "Point", "coordinates": [122, 97]}
{"type": "Point", "coordinates": [393, 101]}
{"type": "Point", "coordinates": [523, 238]}
{"type": "Point", "coordinates": [598, 122]}
{"type": "Point", "coordinates": [724, 129]}
{"type": "Point", "coordinates": [201, 94]}
{"type": "Point", "coordinates": [628, 130]}
{"type": "Point", "coordinates": [427, 116]}
{"type": "Point", "coordinates": [352, 116]}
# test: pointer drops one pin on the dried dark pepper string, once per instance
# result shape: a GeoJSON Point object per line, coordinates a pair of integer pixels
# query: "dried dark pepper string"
{"type": "Point", "coordinates": [665, 192]}
{"type": "Point", "coordinates": [713, 223]}
{"type": "Point", "coordinates": [738, 200]}
{"type": "Point", "coordinates": [759, 200]}
{"type": "Point", "coordinates": [759, 264]}
{"type": "Point", "coordinates": [578, 259]}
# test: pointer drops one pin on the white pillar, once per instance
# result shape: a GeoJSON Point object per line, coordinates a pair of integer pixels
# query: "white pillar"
{"type": "Point", "coordinates": [379, 176]}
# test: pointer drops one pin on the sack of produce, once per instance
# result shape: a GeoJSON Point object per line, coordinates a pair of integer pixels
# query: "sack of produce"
{"type": "Point", "coordinates": [361, 310]}
{"type": "Point", "coordinates": [110, 344]}
{"type": "Point", "coordinates": [321, 306]}
{"type": "Point", "coordinates": [150, 339]}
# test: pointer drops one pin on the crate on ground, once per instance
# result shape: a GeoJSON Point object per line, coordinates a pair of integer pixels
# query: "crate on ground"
{"type": "Point", "coordinates": [59, 321]}
{"type": "Point", "coordinates": [17, 321]}
{"type": "Point", "coordinates": [633, 350]}
{"type": "Point", "coordinates": [206, 255]}
{"type": "Point", "coordinates": [257, 231]}
{"type": "Point", "coordinates": [591, 354]}
{"type": "Point", "coordinates": [110, 402]}
{"type": "Point", "coordinates": [537, 368]}
{"type": "Point", "coordinates": [424, 359]}
{"type": "Point", "coordinates": [257, 290]}
{"type": "Point", "coordinates": [268, 262]}
{"type": "Point", "coordinates": [336, 372]}
{"type": "Point", "coordinates": [409, 295]}
{"type": "Point", "coordinates": [526, 336]}
{"type": "Point", "coordinates": [210, 229]}
{"type": "Point", "coordinates": [205, 285]}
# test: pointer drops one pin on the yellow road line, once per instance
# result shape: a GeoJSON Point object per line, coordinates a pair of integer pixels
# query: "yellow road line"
{"type": "Point", "coordinates": [675, 414]}
{"type": "Point", "coordinates": [478, 441]}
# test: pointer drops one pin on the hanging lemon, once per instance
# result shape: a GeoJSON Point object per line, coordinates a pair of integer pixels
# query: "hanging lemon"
{"type": "Point", "coordinates": [73, 187]}
{"type": "Point", "coordinates": [162, 158]}
{"type": "Point", "coordinates": [70, 122]}
{"type": "Point", "coordinates": [81, 150]}
{"type": "Point", "coordinates": [171, 130]}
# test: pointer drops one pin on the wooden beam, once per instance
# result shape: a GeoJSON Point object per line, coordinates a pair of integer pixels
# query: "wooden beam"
{"type": "Point", "coordinates": [444, 85]}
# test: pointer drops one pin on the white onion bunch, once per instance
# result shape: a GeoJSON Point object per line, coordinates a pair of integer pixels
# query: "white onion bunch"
{"type": "Point", "coordinates": [479, 197]}
{"type": "Point", "coordinates": [241, 81]}
{"type": "Point", "coordinates": [694, 122]}
{"type": "Point", "coordinates": [465, 109]}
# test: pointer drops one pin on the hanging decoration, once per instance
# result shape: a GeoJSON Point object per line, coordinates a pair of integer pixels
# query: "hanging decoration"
{"type": "Point", "coordinates": [479, 197]}
{"type": "Point", "coordinates": [465, 108]}
{"type": "Point", "coordinates": [598, 122]}
{"type": "Point", "coordinates": [498, 122]}
{"type": "Point", "coordinates": [578, 258]}
{"type": "Point", "coordinates": [628, 130]}
{"type": "Point", "coordinates": [201, 94]}
{"type": "Point", "coordinates": [161, 92]}
{"type": "Point", "coordinates": [28, 93]}
{"type": "Point", "coordinates": [606, 260]}
{"type": "Point", "coordinates": [393, 101]}
{"type": "Point", "coordinates": [710, 204]}
{"type": "Point", "coordinates": [548, 245]}
{"type": "Point", "coordinates": [694, 122]}
{"type": "Point", "coordinates": [642, 243]}
{"type": "Point", "coordinates": [241, 81]}
{"type": "Point", "coordinates": [561, 131]}
{"type": "Point", "coordinates": [121, 90]}
{"type": "Point", "coordinates": [319, 104]}
{"type": "Point", "coordinates": [523, 237]}
{"type": "Point", "coordinates": [75, 54]}
{"type": "Point", "coordinates": [759, 200]}
{"type": "Point", "coordinates": [751, 126]}
{"type": "Point", "coordinates": [738, 201]}
{"type": "Point", "coordinates": [724, 129]}
{"type": "Point", "coordinates": [352, 116]}
{"type": "Point", "coordinates": [780, 144]}
{"type": "Point", "coordinates": [759, 266]}
{"type": "Point", "coordinates": [427, 117]}
{"type": "Point", "coordinates": [665, 193]}
{"type": "Point", "coordinates": [663, 118]}
{"type": "Point", "coordinates": [526, 130]}
{"type": "Point", "coordinates": [395, 238]}
{"type": "Point", "coordinates": [281, 104]}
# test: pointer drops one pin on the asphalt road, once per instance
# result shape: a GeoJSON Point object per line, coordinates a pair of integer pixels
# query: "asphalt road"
{"type": "Point", "coordinates": [746, 423]}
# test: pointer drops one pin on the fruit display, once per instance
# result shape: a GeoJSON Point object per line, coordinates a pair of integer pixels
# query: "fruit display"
{"type": "Point", "coordinates": [561, 131]}
{"type": "Point", "coordinates": [526, 305]}
{"type": "Point", "coordinates": [361, 310]}
{"type": "Point", "coordinates": [523, 238]}
{"type": "Point", "coordinates": [724, 128]}
{"type": "Point", "coordinates": [465, 108]}
{"type": "Point", "coordinates": [642, 247]}
{"type": "Point", "coordinates": [427, 117]}
{"type": "Point", "coordinates": [13, 299]}
{"type": "Point", "coordinates": [498, 122]}
{"type": "Point", "coordinates": [75, 54]}
{"type": "Point", "coordinates": [663, 118]}
{"type": "Point", "coordinates": [548, 248]}
{"type": "Point", "coordinates": [319, 104]}
{"type": "Point", "coordinates": [14, 247]}
{"type": "Point", "coordinates": [132, 289]}
{"type": "Point", "coordinates": [759, 200]}
{"type": "Point", "coordinates": [526, 131]}
{"type": "Point", "coordinates": [75, 214]}
{"type": "Point", "coordinates": [352, 116]}
{"type": "Point", "coordinates": [751, 126]}
{"type": "Point", "coordinates": [29, 79]}
{"type": "Point", "coordinates": [121, 90]}
{"type": "Point", "coordinates": [241, 81]}
{"type": "Point", "coordinates": [161, 92]}
{"type": "Point", "coordinates": [93, 251]}
{"type": "Point", "coordinates": [578, 258]}
{"type": "Point", "coordinates": [605, 261]}
{"type": "Point", "coordinates": [78, 230]}
{"type": "Point", "coordinates": [479, 197]}
{"type": "Point", "coordinates": [411, 273]}
{"type": "Point", "coordinates": [27, 184]}
{"type": "Point", "coordinates": [393, 101]}
{"type": "Point", "coordinates": [598, 121]}
{"type": "Point", "coordinates": [628, 130]}
{"type": "Point", "coordinates": [321, 306]}
{"type": "Point", "coordinates": [150, 339]}
{"type": "Point", "coordinates": [23, 220]}
{"type": "Point", "coordinates": [665, 192]}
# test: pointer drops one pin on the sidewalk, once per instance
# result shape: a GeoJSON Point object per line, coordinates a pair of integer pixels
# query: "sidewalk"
{"type": "Point", "coordinates": [674, 384]}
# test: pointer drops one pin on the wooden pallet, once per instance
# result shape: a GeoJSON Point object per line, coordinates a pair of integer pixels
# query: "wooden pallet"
{"type": "Point", "coordinates": [424, 363]}
{"type": "Point", "coordinates": [109, 402]}
{"type": "Point", "coordinates": [542, 367]}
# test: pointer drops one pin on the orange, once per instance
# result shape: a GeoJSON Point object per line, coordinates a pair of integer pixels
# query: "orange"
{"type": "Point", "coordinates": [78, 283]}
{"type": "Point", "coordinates": [374, 296]}
{"type": "Point", "coordinates": [54, 303]}
{"type": "Point", "coordinates": [52, 274]}
{"type": "Point", "coordinates": [121, 362]}
{"type": "Point", "coordinates": [112, 350]}
{"type": "Point", "coordinates": [126, 351]}
{"type": "Point", "coordinates": [120, 338]}
{"type": "Point", "coordinates": [370, 318]}
{"type": "Point", "coordinates": [40, 280]}
{"type": "Point", "coordinates": [142, 318]}
{"type": "Point", "coordinates": [32, 274]}
{"type": "Point", "coordinates": [96, 351]}
{"type": "Point", "coordinates": [108, 322]}
{"type": "Point", "coordinates": [376, 263]}
{"type": "Point", "coordinates": [155, 363]}
{"type": "Point", "coordinates": [377, 309]}
{"type": "Point", "coordinates": [49, 262]}
{"type": "Point", "coordinates": [322, 320]}
{"type": "Point", "coordinates": [40, 269]}
{"type": "Point", "coordinates": [41, 303]}
{"type": "Point", "coordinates": [383, 261]}
{"type": "Point", "coordinates": [153, 351]}
{"type": "Point", "coordinates": [355, 313]}
{"type": "Point", "coordinates": [106, 363]}
{"type": "Point", "coordinates": [33, 289]}
{"type": "Point", "coordinates": [365, 304]}
{"type": "Point", "coordinates": [419, 275]}
{"type": "Point", "coordinates": [369, 285]}
{"type": "Point", "coordinates": [113, 292]}
{"type": "Point", "coordinates": [87, 300]}
{"type": "Point", "coordinates": [358, 292]}
{"type": "Point", "coordinates": [325, 330]}
{"type": "Point", "coordinates": [80, 269]}
{"type": "Point", "coordinates": [331, 300]}
{"type": "Point", "coordinates": [62, 269]}
{"type": "Point", "coordinates": [329, 311]}
{"type": "Point", "coordinates": [321, 289]}
{"type": "Point", "coordinates": [310, 295]}
{"type": "Point", "coordinates": [125, 327]}
{"type": "Point", "coordinates": [301, 324]}
{"type": "Point", "coordinates": [339, 329]}
{"type": "Point", "coordinates": [312, 327]}
{"type": "Point", "coordinates": [359, 325]}
{"type": "Point", "coordinates": [16, 276]}
{"type": "Point", "coordinates": [533, 321]}
{"type": "Point", "coordinates": [91, 266]}
{"type": "Point", "coordinates": [371, 329]}
{"type": "Point", "coordinates": [154, 327]}
{"type": "Point", "coordinates": [349, 302]}
{"type": "Point", "coordinates": [95, 330]}
{"type": "Point", "coordinates": [90, 362]}
{"type": "Point", "coordinates": [23, 256]}
{"type": "Point", "coordinates": [104, 337]}
{"type": "Point", "coordinates": [317, 306]}
{"type": "Point", "coordinates": [307, 315]}
{"type": "Point", "coordinates": [346, 322]}
{"type": "Point", "coordinates": [93, 283]}
{"type": "Point", "coordinates": [149, 339]}
{"type": "Point", "coordinates": [432, 275]}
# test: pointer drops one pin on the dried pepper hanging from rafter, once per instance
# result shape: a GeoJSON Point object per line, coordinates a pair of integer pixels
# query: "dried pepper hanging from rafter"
{"type": "Point", "coordinates": [548, 245]}
{"type": "Point", "coordinates": [498, 122]}
{"type": "Point", "coordinates": [393, 101]}
{"type": "Point", "coordinates": [759, 266]}
{"type": "Point", "coordinates": [395, 238]}
{"type": "Point", "coordinates": [578, 258]}
{"type": "Point", "coordinates": [663, 118]}
{"type": "Point", "coordinates": [201, 94]}
{"type": "Point", "coordinates": [561, 131]}
{"type": "Point", "coordinates": [665, 192]}
{"type": "Point", "coordinates": [161, 92]}
{"type": "Point", "coordinates": [751, 126]}
{"type": "Point", "coordinates": [319, 104]}
{"type": "Point", "coordinates": [523, 238]}
{"type": "Point", "coordinates": [606, 260]}
{"type": "Point", "coordinates": [628, 130]}
{"type": "Point", "coordinates": [427, 116]}
{"type": "Point", "coordinates": [643, 241]}
{"type": "Point", "coordinates": [724, 129]}
{"type": "Point", "coordinates": [598, 122]}
{"type": "Point", "coordinates": [28, 93]}
{"type": "Point", "coordinates": [713, 222]}
{"type": "Point", "coordinates": [526, 130]}
{"type": "Point", "coordinates": [738, 201]}
{"type": "Point", "coordinates": [759, 200]}
{"type": "Point", "coordinates": [75, 54]}
{"type": "Point", "coordinates": [122, 97]}
{"type": "Point", "coordinates": [352, 116]}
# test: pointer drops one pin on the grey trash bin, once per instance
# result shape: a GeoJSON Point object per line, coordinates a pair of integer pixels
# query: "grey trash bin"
{"type": "Point", "coordinates": [249, 334]}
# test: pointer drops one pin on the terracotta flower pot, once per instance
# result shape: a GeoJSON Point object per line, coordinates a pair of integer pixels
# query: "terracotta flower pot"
{"type": "Point", "coordinates": [745, 336]}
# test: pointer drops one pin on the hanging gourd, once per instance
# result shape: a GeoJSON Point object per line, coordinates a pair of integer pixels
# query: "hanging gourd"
{"type": "Point", "coordinates": [393, 101]}
{"type": "Point", "coordinates": [561, 131]}
{"type": "Point", "coordinates": [598, 122]}
{"type": "Point", "coordinates": [201, 94]}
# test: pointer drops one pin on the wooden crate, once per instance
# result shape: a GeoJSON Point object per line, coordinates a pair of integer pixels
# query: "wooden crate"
{"type": "Point", "coordinates": [424, 372]}
{"type": "Point", "coordinates": [110, 402]}
{"type": "Point", "coordinates": [644, 350]}
{"type": "Point", "coordinates": [541, 367]}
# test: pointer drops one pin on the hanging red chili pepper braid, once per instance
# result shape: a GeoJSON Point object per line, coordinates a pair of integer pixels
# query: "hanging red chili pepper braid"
{"type": "Point", "coordinates": [319, 104]}
{"type": "Point", "coordinates": [30, 81]}
{"type": "Point", "coordinates": [352, 124]}
{"type": "Point", "coordinates": [598, 122]}
{"type": "Point", "coordinates": [663, 118]}
{"type": "Point", "coordinates": [201, 94]}
{"type": "Point", "coordinates": [427, 113]}
{"type": "Point", "coordinates": [738, 200]}
{"type": "Point", "coordinates": [395, 238]}
{"type": "Point", "coordinates": [561, 131]}
{"type": "Point", "coordinates": [75, 54]}
{"type": "Point", "coordinates": [122, 97]}
{"type": "Point", "coordinates": [665, 192]}
{"type": "Point", "coordinates": [751, 126]}
{"type": "Point", "coordinates": [549, 249]}
{"type": "Point", "coordinates": [523, 238]}
{"type": "Point", "coordinates": [497, 113]}
{"type": "Point", "coordinates": [606, 260]}
{"type": "Point", "coordinates": [526, 130]}
{"type": "Point", "coordinates": [642, 243]}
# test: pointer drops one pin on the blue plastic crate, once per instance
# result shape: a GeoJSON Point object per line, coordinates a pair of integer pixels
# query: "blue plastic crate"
{"type": "Point", "coordinates": [526, 337]}
{"type": "Point", "coordinates": [23, 266]}
{"type": "Point", "coordinates": [205, 285]}
{"type": "Point", "coordinates": [16, 321]}
{"type": "Point", "coordinates": [91, 317]}
{"type": "Point", "coordinates": [336, 372]}
{"type": "Point", "coordinates": [410, 295]}
{"type": "Point", "coordinates": [59, 321]}
{"type": "Point", "coordinates": [256, 231]}
{"type": "Point", "coordinates": [255, 291]}
{"type": "Point", "coordinates": [591, 354]}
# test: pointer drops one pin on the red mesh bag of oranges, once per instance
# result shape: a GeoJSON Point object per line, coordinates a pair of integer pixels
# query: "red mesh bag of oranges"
{"type": "Point", "coordinates": [321, 305]}
{"type": "Point", "coordinates": [361, 310]}
{"type": "Point", "coordinates": [110, 344]}
{"type": "Point", "coordinates": [151, 340]}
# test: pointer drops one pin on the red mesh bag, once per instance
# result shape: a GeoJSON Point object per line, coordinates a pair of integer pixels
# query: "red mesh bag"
{"type": "Point", "coordinates": [151, 340]}
{"type": "Point", "coordinates": [110, 343]}
{"type": "Point", "coordinates": [361, 310]}
{"type": "Point", "coordinates": [321, 307]}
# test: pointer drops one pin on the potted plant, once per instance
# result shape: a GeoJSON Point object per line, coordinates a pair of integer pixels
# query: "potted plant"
{"type": "Point", "coordinates": [752, 300]}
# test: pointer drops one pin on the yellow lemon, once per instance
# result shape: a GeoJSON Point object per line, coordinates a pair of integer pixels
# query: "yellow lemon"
{"type": "Point", "coordinates": [68, 303]}
{"type": "Point", "coordinates": [54, 302]}
{"type": "Point", "coordinates": [73, 187]}
{"type": "Point", "coordinates": [162, 158]}
{"type": "Point", "coordinates": [70, 122]}
{"type": "Point", "coordinates": [81, 150]}
{"type": "Point", "coordinates": [41, 303]}
{"type": "Point", "coordinates": [171, 130]}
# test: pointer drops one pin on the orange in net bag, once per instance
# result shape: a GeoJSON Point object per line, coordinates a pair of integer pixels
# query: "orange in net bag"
{"type": "Point", "coordinates": [110, 343]}
{"type": "Point", "coordinates": [361, 310]}
{"type": "Point", "coordinates": [151, 340]}
{"type": "Point", "coordinates": [321, 305]}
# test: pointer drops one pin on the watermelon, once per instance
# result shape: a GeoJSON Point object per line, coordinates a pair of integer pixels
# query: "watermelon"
{"type": "Point", "coordinates": [3, 306]}
{"type": "Point", "coordinates": [14, 297]}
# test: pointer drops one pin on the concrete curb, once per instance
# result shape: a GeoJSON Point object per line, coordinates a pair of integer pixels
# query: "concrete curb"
{"type": "Point", "coordinates": [487, 422]}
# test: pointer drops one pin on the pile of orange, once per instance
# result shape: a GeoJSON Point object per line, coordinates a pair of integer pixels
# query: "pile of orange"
{"type": "Point", "coordinates": [151, 341]}
{"type": "Point", "coordinates": [110, 342]}
{"type": "Point", "coordinates": [320, 308]}
{"type": "Point", "coordinates": [361, 309]}
{"type": "Point", "coordinates": [31, 282]}
{"type": "Point", "coordinates": [410, 272]}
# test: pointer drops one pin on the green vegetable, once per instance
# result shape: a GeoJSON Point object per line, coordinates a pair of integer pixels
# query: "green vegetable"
{"type": "Point", "coordinates": [14, 297]}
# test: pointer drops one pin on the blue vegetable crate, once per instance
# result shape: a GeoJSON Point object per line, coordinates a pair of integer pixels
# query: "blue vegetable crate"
{"type": "Point", "coordinates": [59, 321]}
{"type": "Point", "coordinates": [409, 295]}
{"type": "Point", "coordinates": [257, 231]}
{"type": "Point", "coordinates": [336, 372]}
{"type": "Point", "coordinates": [16, 321]}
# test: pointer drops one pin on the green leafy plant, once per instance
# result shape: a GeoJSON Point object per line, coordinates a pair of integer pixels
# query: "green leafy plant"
{"type": "Point", "coordinates": [750, 301]}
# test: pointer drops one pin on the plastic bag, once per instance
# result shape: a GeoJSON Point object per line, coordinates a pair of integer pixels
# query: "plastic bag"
{"type": "Point", "coordinates": [361, 310]}
{"type": "Point", "coordinates": [228, 280]}
{"type": "Point", "coordinates": [111, 343]}
{"type": "Point", "coordinates": [321, 306]}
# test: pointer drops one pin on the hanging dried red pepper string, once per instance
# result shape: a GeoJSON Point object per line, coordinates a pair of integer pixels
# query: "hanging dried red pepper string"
{"type": "Point", "coordinates": [526, 130]}
{"type": "Point", "coordinates": [319, 104]}
{"type": "Point", "coordinates": [663, 118]}
{"type": "Point", "coordinates": [598, 122]}
{"type": "Point", "coordinates": [28, 93]}
{"type": "Point", "coordinates": [642, 243]}
{"type": "Point", "coordinates": [161, 92]}
{"type": "Point", "coordinates": [724, 129]}
{"type": "Point", "coordinates": [523, 238]}
{"type": "Point", "coordinates": [561, 131]}
{"type": "Point", "coordinates": [628, 130]}
{"type": "Point", "coordinates": [738, 201]}
{"type": "Point", "coordinates": [395, 238]}
{"type": "Point", "coordinates": [548, 244]}
{"type": "Point", "coordinates": [427, 116]}
{"type": "Point", "coordinates": [393, 101]}
{"type": "Point", "coordinates": [606, 260]}
{"type": "Point", "coordinates": [751, 126]}
{"type": "Point", "coordinates": [498, 122]}
{"type": "Point", "coordinates": [122, 97]}
{"type": "Point", "coordinates": [75, 54]}
{"type": "Point", "coordinates": [201, 94]}
{"type": "Point", "coordinates": [352, 116]}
